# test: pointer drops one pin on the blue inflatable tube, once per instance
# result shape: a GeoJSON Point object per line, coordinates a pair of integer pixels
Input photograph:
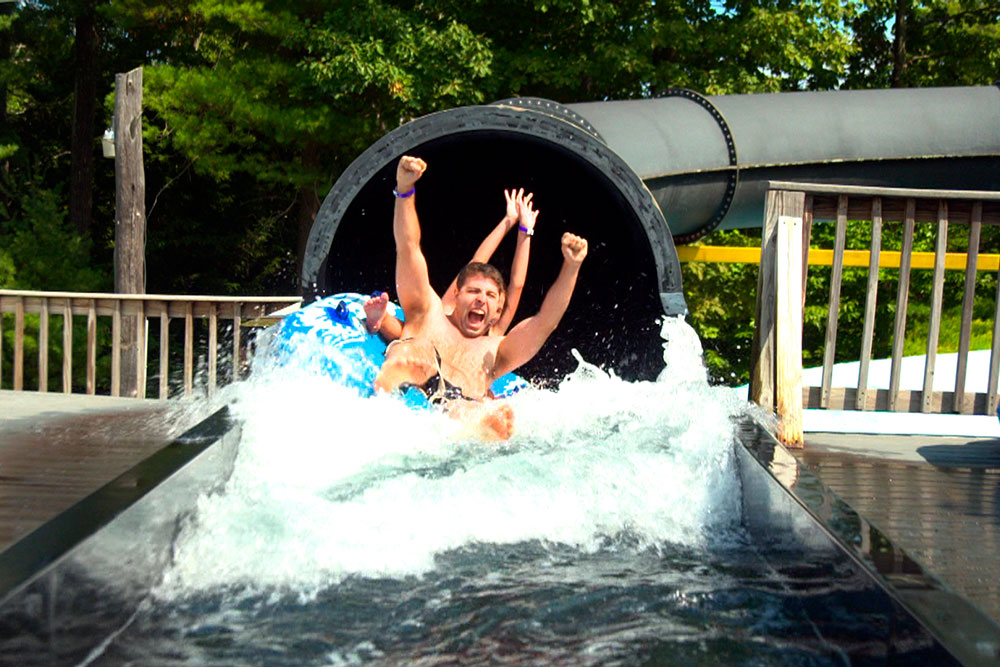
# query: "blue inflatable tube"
{"type": "Point", "coordinates": [329, 335]}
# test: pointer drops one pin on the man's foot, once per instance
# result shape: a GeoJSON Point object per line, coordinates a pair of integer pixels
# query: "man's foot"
{"type": "Point", "coordinates": [375, 309]}
{"type": "Point", "coordinates": [498, 422]}
{"type": "Point", "coordinates": [489, 420]}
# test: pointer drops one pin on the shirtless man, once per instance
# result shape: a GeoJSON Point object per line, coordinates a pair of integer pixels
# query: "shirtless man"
{"type": "Point", "coordinates": [522, 215]}
{"type": "Point", "coordinates": [449, 355]}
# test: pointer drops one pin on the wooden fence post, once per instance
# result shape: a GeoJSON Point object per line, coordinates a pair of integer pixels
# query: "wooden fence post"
{"type": "Point", "coordinates": [776, 358]}
{"type": "Point", "coordinates": [762, 350]}
{"type": "Point", "coordinates": [130, 218]}
{"type": "Point", "coordinates": [788, 317]}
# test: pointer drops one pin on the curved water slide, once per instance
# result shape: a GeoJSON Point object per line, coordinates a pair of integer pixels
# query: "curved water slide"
{"type": "Point", "coordinates": [637, 177]}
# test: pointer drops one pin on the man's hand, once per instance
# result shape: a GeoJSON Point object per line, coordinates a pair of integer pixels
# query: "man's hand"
{"type": "Point", "coordinates": [512, 196]}
{"type": "Point", "coordinates": [574, 248]}
{"type": "Point", "coordinates": [408, 172]}
{"type": "Point", "coordinates": [525, 213]}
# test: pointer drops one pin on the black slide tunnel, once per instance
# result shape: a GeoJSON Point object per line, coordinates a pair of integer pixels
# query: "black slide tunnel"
{"type": "Point", "coordinates": [631, 275]}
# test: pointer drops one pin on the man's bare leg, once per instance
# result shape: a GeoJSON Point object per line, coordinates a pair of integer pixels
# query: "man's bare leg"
{"type": "Point", "coordinates": [409, 361]}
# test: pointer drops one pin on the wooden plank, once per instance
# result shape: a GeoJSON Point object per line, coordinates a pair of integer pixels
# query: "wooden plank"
{"type": "Point", "coordinates": [871, 301]}
{"type": "Point", "coordinates": [846, 398]}
{"type": "Point", "coordinates": [189, 350]}
{"type": "Point", "coordinates": [18, 344]}
{"type": "Point", "coordinates": [991, 389]}
{"type": "Point", "coordinates": [92, 347]}
{"type": "Point", "coordinates": [237, 321]}
{"type": "Point", "coordinates": [788, 332]}
{"type": "Point", "coordinates": [959, 210]}
{"type": "Point", "coordinates": [937, 298]}
{"type": "Point", "coordinates": [67, 360]}
{"type": "Point", "coordinates": [965, 333]}
{"type": "Point", "coordinates": [164, 354]}
{"type": "Point", "coordinates": [915, 193]}
{"type": "Point", "coordinates": [130, 304]}
{"type": "Point", "coordinates": [140, 357]}
{"type": "Point", "coordinates": [762, 350]}
{"type": "Point", "coordinates": [116, 352]}
{"type": "Point", "coordinates": [807, 223]}
{"type": "Point", "coordinates": [43, 347]}
{"type": "Point", "coordinates": [272, 302]}
{"type": "Point", "coordinates": [837, 271]}
{"type": "Point", "coordinates": [902, 299]}
{"type": "Point", "coordinates": [213, 348]}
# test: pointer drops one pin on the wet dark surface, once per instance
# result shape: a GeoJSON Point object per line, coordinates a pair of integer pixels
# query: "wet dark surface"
{"type": "Point", "coordinates": [941, 502]}
{"type": "Point", "coordinates": [54, 456]}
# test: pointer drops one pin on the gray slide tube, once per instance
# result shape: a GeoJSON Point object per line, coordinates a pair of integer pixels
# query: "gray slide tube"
{"type": "Point", "coordinates": [706, 159]}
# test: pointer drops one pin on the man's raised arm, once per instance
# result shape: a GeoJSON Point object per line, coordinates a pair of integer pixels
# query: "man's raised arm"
{"type": "Point", "coordinates": [412, 282]}
{"type": "Point", "coordinates": [526, 339]}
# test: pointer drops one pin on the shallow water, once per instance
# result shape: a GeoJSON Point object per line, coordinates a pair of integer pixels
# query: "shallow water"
{"type": "Point", "coordinates": [607, 530]}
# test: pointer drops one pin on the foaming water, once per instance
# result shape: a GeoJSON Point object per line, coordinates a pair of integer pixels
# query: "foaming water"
{"type": "Point", "coordinates": [607, 530]}
{"type": "Point", "coordinates": [328, 485]}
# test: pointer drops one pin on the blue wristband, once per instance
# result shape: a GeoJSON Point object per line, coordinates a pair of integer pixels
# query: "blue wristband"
{"type": "Point", "coordinates": [404, 195]}
{"type": "Point", "coordinates": [527, 232]}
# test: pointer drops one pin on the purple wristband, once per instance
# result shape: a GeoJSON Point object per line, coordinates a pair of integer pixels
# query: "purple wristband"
{"type": "Point", "coordinates": [527, 232]}
{"type": "Point", "coordinates": [404, 195]}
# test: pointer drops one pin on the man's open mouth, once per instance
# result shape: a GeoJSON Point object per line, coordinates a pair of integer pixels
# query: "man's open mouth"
{"type": "Point", "coordinates": [476, 318]}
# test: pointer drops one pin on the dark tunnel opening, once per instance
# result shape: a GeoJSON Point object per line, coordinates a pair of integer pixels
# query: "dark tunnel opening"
{"type": "Point", "coordinates": [613, 317]}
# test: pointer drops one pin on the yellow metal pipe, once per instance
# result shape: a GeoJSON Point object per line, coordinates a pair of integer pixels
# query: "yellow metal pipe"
{"type": "Point", "coordinates": [888, 259]}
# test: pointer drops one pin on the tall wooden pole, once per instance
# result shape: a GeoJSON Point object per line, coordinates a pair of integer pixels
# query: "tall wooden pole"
{"type": "Point", "coordinates": [130, 220]}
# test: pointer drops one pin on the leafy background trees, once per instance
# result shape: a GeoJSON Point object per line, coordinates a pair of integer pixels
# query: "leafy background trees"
{"type": "Point", "coordinates": [252, 108]}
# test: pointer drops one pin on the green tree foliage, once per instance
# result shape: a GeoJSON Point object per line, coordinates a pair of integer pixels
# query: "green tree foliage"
{"type": "Point", "coordinates": [254, 107]}
{"type": "Point", "coordinates": [288, 93]}
{"type": "Point", "coordinates": [901, 43]}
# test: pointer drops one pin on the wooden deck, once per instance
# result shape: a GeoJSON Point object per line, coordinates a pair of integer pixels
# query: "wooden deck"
{"type": "Point", "coordinates": [57, 449]}
{"type": "Point", "coordinates": [936, 497]}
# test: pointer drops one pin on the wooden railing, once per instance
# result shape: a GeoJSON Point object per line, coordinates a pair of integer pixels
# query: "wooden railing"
{"type": "Point", "coordinates": [776, 373]}
{"type": "Point", "coordinates": [157, 308]}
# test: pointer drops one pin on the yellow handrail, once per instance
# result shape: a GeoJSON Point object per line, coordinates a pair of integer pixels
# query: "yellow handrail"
{"type": "Point", "coordinates": [888, 259]}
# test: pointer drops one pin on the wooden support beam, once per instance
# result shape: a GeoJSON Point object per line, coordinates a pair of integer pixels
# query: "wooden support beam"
{"type": "Point", "coordinates": [762, 351]}
{"type": "Point", "coordinates": [130, 220]}
{"type": "Point", "coordinates": [788, 330]}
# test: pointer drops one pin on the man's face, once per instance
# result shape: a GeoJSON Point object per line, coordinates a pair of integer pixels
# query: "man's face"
{"type": "Point", "coordinates": [477, 306]}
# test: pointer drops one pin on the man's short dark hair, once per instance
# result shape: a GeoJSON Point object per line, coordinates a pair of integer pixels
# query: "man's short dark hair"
{"type": "Point", "coordinates": [480, 269]}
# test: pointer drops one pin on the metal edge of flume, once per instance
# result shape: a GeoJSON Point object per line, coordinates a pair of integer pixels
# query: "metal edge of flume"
{"type": "Point", "coordinates": [49, 545]}
{"type": "Point", "coordinates": [968, 634]}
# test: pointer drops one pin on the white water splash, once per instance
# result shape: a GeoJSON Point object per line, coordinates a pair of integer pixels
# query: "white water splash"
{"type": "Point", "coordinates": [329, 485]}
